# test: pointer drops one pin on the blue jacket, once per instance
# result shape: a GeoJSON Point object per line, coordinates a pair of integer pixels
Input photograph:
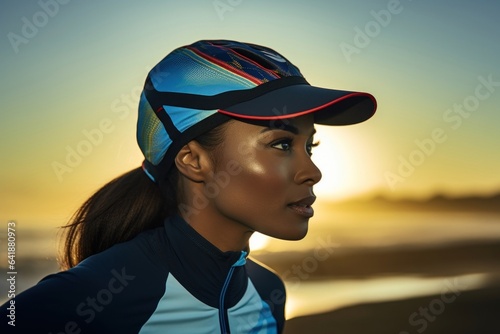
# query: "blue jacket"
{"type": "Point", "coordinates": [166, 280]}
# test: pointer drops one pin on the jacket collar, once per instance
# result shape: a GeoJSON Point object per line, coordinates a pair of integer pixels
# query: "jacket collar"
{"type": "Point", "coordinates": [201, 267]}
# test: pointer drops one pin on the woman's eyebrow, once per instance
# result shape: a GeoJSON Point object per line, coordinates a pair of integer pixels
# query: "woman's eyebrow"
{"type": "Point", "coordinates": [286, 127]}
{"type": "Point", "coordinates": [282, 126]}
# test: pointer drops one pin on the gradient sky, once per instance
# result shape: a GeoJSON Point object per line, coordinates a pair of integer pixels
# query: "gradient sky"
{"type": "Point", "coordinates": [82, 69]}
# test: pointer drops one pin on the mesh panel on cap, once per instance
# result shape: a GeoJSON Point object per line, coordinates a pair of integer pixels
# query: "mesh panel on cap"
{"type": "Point", "coordinates": [152, 137]}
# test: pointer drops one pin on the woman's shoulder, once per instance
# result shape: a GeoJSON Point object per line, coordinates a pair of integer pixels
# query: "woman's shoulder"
{"type": "Point", "coordinates": [118, 264]}
{"type": "Point", "coordinates": [100, 289]}
{"type": "Point", "coordinates": [145, 253]}
{"type": "Point", "coordinates": [266, 280]}
{"type": "Point", "coordinates": [270, 288]}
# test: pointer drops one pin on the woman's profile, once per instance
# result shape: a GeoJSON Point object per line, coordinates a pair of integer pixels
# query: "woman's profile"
{"type": "Point", "coordinates": [227, 132]}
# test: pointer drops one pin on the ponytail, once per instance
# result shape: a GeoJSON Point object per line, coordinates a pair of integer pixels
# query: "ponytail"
{"type": "Point", "coordinates": [117, 212]}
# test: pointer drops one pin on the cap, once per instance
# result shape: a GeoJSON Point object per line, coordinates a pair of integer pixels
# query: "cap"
{"type": "Point", "coordinates": [200, 86]}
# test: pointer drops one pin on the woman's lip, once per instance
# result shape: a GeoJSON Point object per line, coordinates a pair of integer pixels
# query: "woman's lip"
{"type": "Point", "coordinates": [302, 210]}
{"type": "Point", "coordinates": [305, 201]}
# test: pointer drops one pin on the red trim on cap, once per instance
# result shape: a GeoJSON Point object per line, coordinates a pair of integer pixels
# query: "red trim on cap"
{"type": "Point", "coordinates": [225, 66]}
{"type": "Point", "coordinates": [300, 113]}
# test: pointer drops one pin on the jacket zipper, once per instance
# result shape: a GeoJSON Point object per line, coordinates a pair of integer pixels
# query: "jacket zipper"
{"type": "Point", "coordinates": [223, 322]}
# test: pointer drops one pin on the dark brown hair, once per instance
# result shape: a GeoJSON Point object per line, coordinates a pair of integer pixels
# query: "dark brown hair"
{"type": "Point", "coordinates": [123, 208]}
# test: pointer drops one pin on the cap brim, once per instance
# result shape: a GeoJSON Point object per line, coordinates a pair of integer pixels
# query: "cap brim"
{"type": "Point", "coordinates": [330, 107]}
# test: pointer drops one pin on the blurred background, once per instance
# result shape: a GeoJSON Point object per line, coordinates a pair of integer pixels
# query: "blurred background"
{"type": "Point", "coordinates": [406, 236]}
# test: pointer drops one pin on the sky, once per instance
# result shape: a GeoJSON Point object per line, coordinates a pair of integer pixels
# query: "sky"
{"type": "Point", "coordinates": [72, 71]}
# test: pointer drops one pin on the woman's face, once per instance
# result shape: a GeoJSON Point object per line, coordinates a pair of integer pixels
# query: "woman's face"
{"type": "Point", "coordinates": [265, 176]}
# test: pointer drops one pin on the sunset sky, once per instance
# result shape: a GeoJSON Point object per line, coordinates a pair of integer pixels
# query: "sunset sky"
{"type": "Point", "coordinates": [71, 75]}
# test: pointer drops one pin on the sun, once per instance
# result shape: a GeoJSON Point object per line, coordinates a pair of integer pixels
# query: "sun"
{"type": "Point", "coordinates": [343, 163]}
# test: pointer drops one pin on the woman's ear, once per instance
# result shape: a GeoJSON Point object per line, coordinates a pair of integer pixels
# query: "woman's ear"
{"type": "Point", "coordinates": [193, 161]}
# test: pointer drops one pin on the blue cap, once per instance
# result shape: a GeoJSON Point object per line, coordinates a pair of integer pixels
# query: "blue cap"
{"type": "Point", "coordinates": [197, 87]}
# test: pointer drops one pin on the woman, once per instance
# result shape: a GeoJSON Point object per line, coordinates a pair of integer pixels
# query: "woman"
{"type": "Point", "coordinates": [226, 129]}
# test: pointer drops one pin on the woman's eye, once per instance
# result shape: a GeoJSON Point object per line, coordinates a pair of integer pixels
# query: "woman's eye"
{"type": "Point", "coordinates": [284, 145]}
